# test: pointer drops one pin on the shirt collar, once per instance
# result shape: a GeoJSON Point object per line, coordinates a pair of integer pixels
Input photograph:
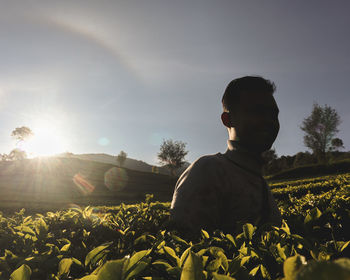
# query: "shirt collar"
{"type": "Point", "coordinates": [244, 157]}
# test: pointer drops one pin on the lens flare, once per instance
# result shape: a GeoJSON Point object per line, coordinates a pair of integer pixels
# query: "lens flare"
{"type": "Point", "coordinates": [82, 184]}
{"type": "Point", "coordinates": [116, 179]}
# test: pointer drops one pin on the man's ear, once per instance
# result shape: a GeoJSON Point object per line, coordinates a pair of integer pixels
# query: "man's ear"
{"type": "Point", "coordinates": [225, 118]}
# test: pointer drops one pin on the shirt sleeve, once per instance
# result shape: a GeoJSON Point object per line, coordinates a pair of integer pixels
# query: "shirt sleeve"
{"type": "Point", "coordinates": [195, 200]}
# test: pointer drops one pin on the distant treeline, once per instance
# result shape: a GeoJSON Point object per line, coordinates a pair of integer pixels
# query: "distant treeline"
{"type": "Point", "coordinates": [278, 164]}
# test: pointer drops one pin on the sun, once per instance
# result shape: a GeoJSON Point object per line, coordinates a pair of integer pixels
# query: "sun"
{"type": "Point", "coordinates": [47, 140]}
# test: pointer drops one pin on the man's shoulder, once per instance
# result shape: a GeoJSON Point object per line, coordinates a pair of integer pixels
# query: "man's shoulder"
{"type": "Point", "coordinates": [206, 163]}
{"type": "Point", "coordinates": [207, 160]}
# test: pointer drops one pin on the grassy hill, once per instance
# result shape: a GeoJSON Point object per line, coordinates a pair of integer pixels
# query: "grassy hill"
{"type": "Point", "coordinates": [129, 163]}
{"type": "Point", "coordinates": [55, 182]}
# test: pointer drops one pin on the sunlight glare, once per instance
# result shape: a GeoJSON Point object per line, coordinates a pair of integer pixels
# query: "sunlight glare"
{"type": "Point", "coordinates": [46, 141]}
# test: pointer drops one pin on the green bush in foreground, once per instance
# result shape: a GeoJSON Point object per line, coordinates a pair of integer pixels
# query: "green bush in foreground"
{"type": "Point", "coordinates": [130, 242]}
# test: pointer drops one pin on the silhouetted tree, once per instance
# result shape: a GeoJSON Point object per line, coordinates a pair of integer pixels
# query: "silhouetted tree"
{"type": "Point", "coordinates": [21, 133]}
{"type": "Point", "coordinates": [172, 154]}
{"type": "Point", "coordinates": [320, 128]}
{"type": "Point", "coordinates": [337, 144]}
{"type": "Point", "coordinates": [302, 158]}
{"type": "Point", "coordinates": [268, 156]}
{"type": "Point", "coordinates": [17, 154]}
{"type": "Point", "coordinates": [121, 158]}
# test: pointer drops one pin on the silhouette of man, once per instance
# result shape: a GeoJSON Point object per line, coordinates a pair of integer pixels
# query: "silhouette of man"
{"type": "Point", "coordinates": [224, 191]}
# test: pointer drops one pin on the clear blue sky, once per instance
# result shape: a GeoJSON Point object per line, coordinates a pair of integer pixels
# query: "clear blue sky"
{"type": "Point", "coordinates": [122, 75]}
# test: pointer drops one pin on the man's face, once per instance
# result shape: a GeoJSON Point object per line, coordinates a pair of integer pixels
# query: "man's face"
{"type": "Point", "coordinates": [256, 121]}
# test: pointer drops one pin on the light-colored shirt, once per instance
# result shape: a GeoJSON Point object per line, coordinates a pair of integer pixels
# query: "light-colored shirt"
{"type": "Point", "coordinates": [223, 191]}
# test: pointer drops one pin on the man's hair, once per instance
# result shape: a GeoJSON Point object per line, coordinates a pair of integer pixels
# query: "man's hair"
{"type": "Point", "coordinates": [244, 85]}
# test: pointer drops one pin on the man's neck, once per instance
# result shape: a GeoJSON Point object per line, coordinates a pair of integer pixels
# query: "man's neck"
{"type": "Point", "coordinates": [243, 156]}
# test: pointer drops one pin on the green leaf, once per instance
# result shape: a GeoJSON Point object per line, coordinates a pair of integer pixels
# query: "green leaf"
{"type": "Point", "coordinates": [77, 262]}
{"type": "Point", "coordinates": [89, 277]}
{"type": "Point", "coordinates": [292, 265]}
{"type": "Point", "coordinates": [224, 261]}
{"type": "Point", "coordinates": [41, 227]}
{"type": "Point", "coordinates": [64, 266]}
{"type": "Point", "coordinates": [204, 260]}
{"type": "Point", "coordinates": [248, 231]}
{"type": "Point", "coordinates": [171, 253]}
{"type": "Point", "coordinates": [285, 227]}
{"type": "Point", "coordinates": [112, 270]}
{"type": "Point", "coordinates": [254, 270]}
{"type": "Point", "coordinates": [280, 251]}
{"type": "Point", "coordinates": [96, 254]}
{"type": "Point", "coordinates": [163, 264]}
{"type": "Point", "coordinates": [205, 234]}
{"type": "Point", "coordinates": [344, 246]}
{"type": "Point", "coordinates": [136, 258]}
{"type": "Point", "coordinates": [137, 269]}
{"type": "Point", "coordinates": [313, 215]}
{"type": "Point", "coordinates": [179, 240]}
{"type": "Point", "coordinates": [136, 264]}
{"type": "Point", "coordinates": [244, 260]}
{"type": "Point", "coordinates": [21, 273]}
{"type": "Point", "coordinates": [65, 247]}
{"type": "Point", "coordinates": [216, 251]}
{"type": "Point", "coordinates": [25, 229]}
{"type": "Point", "coordinates": [264, 273]}
{"type": "Point", "coordinates": [217, 276]}
{"type": "Point", "coordinates": [193, 268]}
{"type": "Point", "coordinates": [213, 265]}
{"type": "Point", "coordinates": [230, 238]}
{"type": "Point", "coordinates": [184, 256]}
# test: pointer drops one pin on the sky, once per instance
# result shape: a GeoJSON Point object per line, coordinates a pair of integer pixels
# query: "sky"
{"type": "Point", "coordinates": [105, 76]}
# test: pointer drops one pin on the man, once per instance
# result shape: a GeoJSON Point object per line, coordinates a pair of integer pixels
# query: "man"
{"type": "Point", "coordinates": [224, 191]}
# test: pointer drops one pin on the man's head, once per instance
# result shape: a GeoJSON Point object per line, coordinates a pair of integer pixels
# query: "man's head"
{"type": "Point", "coordinates": [251, 113]}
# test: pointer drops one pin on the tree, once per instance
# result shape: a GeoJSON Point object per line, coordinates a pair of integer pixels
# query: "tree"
{"type": "Point", "coordinates": [172, 154]}
{"type": "Point", "coordinates": [268, 157]}
{"type": "Point", "coordinates": [320, 128]}
{"type": "Point", "coordinates": [337, 144]}
{"type": "Point", "coordinates": [121, 158]}
{"type": "Point", "coordinates": [17, 154]}
{"type": "Point", "coordinates": [21, 133]}
{"type": "Point", "coordinates": [302, 158]}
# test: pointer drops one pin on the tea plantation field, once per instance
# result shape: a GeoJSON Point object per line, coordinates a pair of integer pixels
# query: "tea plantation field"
{"type": "Point", "coordinates": [131, 242]}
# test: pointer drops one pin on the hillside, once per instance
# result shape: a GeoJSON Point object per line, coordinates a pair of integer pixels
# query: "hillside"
{"type": "Point", "coordinates": [129, 163]}
{"type": "Point", "coordinates": [56, 181]}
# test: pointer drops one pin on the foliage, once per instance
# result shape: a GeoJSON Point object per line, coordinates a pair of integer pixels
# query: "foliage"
{"type": "Point", "coordinates": [320, 128]}
{"type": "Point", "coordinates": [302, 159]}
{"type": "Point", "coordinates": [172, 154]}
{"type": "Point", "coordinates": [314, 170]}
{"type": "Point", "coordinates": [337, 144]}
{"type": "Point", "coordinates": [269, 155]}
{"type": "Point", "coordinates": [131, 242]}
{"type": "Point", "coordinates": [269, 158]}
{"type": "Point", "coordinates": [17, 154]}
{"type": "Point", "coordinates": [121, 158]}
{"type": "Point", "coordinates": [21, 133]}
